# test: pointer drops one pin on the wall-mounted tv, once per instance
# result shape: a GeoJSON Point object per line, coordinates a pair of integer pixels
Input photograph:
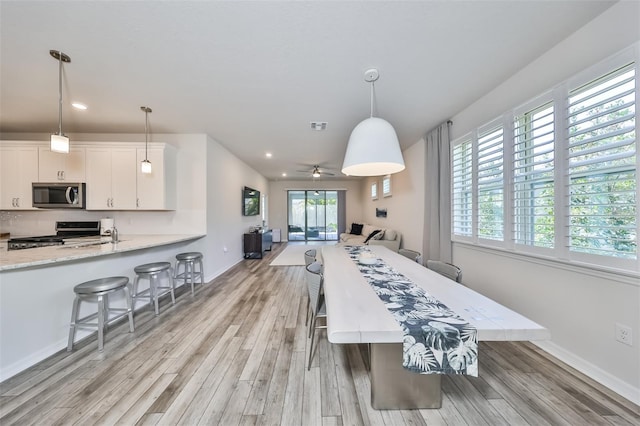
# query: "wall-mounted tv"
{"type": "Point", "coordinates": [250, 202]}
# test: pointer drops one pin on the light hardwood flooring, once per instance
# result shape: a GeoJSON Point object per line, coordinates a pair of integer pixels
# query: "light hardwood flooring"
{"type": "Point", "coordinates": [236, 354]}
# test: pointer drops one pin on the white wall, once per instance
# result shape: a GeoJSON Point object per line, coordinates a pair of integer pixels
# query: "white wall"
{"type": "Point", "coordinates": [278, 199]}
{"type": "Point", "coordinates": [226, 177]}
{"type": "Point", "coordinates": [578, 306]}
{"type": "Point", "coordinates": [405, 206]}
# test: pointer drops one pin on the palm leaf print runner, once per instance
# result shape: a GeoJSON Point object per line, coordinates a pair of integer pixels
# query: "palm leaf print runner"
{"type": "Point", "coordinates": [436, 339]}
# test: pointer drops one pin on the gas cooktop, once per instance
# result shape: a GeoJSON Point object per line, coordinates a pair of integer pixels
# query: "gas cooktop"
{"type": "Point", "coordinates": [64, 230]}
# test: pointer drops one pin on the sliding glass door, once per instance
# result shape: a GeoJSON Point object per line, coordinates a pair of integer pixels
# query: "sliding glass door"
{"type": "Point", "coordinates": [312, 215]}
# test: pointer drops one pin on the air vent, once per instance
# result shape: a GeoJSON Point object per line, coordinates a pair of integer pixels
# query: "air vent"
{"type": "Point", "coordinates": [318, 125]}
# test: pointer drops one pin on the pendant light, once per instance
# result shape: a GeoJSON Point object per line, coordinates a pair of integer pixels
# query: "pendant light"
{"type": "Point", "coordinates": [373, 148]}
{"type": "Point", "coordinates": [145, 165]}
{"type": "Point", "coordinates": [59, 142]}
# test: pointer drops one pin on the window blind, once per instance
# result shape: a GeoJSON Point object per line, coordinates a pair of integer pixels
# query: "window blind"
{"type": "Point", "coordinates": [602, 169]}
{"type": "Point", "coordinates": [490, 185]}
{"type": "Point", "coordinates": [462, 189]}
{"type": "Point", "coordinates": [533, 173]}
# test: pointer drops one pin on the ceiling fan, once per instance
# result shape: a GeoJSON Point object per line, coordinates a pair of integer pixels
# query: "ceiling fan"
{"type": "Point", "coordinates": [316, 171]}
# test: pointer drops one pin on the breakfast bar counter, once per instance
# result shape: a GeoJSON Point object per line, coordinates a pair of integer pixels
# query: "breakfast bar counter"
{"type": "Point", "coordinates": [36, 288]}
{"type": "Point", "coordinates": [82, 248]}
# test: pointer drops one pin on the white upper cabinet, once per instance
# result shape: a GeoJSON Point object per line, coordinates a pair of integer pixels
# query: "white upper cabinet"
{"type": "Point", "coordinates": [157, 190]}
{"type": "Point", "coordinates": [18, 170]}
{"type": "Point", "coordinates": [115, 182]}
{"type": "Point", "coordinates": [111, 178]}
{"type": "Point", "coordinates": [57, 167]}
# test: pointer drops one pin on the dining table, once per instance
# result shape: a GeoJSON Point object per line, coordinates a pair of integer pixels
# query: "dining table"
{"type": "Point", "coordinates": [356, 314]}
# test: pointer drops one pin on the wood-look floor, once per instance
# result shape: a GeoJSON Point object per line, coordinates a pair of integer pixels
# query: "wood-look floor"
{"type": "Point", "coordinates": [236, 354]}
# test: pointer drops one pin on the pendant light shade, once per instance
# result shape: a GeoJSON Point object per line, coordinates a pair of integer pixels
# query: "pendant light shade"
{"type": "Point", "coordinates": [59, 142]}
{"type": "Point", "coordinates": [373, 148]}
{"type": "Point", "coordinates": [145, 165]}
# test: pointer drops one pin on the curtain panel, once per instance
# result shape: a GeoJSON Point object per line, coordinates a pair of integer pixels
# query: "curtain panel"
{"type": "Point", "coordinates": [437, 211]}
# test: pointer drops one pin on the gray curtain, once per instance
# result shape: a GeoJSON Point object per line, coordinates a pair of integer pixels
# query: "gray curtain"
{"type": "Point", "coordinates": [342, 211]}
{"type": "Point", "coordinates": [437, 211]}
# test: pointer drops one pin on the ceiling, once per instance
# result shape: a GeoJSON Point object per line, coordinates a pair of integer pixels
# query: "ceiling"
{"type": "Point", "coordinates": [253, 75]}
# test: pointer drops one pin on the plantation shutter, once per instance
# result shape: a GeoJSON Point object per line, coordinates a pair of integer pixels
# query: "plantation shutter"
{"type": "Point", "coordinates": [462, 189]}
{"type": "Point", "coordinates": [602, 168]}
{"type": "Point", "coordinates": [533, 173]}
{"type": "Point", "coordinates": [490, 185]}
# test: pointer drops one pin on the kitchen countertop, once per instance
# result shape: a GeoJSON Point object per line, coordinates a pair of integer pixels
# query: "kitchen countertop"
{"type": "Point", "coordinates": [85, 248]}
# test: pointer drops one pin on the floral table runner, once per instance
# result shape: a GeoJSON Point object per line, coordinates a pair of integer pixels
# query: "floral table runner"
{"type": "Point", "coordinates": [436, 339]}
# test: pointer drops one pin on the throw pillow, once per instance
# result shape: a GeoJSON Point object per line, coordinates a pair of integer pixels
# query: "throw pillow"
{"type": "Point", "coordinates": [379, 235]}
{"type": "Point", "coordinates": [356, 228]}
{"type": "Point", "coordinates": [371, 235]}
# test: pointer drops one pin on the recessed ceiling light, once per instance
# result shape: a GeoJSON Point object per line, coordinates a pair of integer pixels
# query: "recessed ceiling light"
{"type": "Point", "coordinates": [268, 155]}
{"type": "Point", "coordinates": [284, 175]}
{"type": "Point", "coordinates": [78, 105]}
{"type": "Point", "coordinates": [318, 125]}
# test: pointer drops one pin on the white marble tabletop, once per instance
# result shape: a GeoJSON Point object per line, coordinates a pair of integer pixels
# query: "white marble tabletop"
{"type": "Point", "coordinates": [85, 248]}
{"type": "Point", "coordinates": [355, 314]}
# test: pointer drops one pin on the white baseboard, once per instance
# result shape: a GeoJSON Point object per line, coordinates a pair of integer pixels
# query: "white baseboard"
{"type": "Point", "coordinates": [620, 387]}
{"type": "Point", "coordinates": [31, 360]}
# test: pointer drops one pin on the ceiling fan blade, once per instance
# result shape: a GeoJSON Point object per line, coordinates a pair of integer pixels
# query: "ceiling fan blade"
{"type": "Point", "coordinates": [326, 173]}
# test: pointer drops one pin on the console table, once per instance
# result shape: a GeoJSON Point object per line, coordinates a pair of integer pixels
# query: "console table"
{"type": "Point", "coordinates": [255, 243]}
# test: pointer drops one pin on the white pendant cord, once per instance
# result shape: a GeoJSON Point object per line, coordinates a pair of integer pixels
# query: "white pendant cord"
{"type": "Point", "coordinates": [371, 96]}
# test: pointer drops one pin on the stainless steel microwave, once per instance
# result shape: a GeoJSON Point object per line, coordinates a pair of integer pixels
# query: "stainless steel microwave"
{"type": "Point", "coordinates": [59, 195]}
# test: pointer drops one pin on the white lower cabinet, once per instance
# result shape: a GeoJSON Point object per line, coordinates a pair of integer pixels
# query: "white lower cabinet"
{"type": "Point", "coordinates": [111, 178]}
{"type": "Point", "coordinates": [18, 170]}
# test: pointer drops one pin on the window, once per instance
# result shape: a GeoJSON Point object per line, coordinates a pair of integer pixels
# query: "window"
{"type": "Point", "coordinates": [386, 186]}
{"type": "Point", "coordinates": [602, 166]}
{"type": "Point", "coordinates": [374, 191]}
{"type": "Point", "coordinates": [462, 189]}
{"type": "Point", "coordinates": [557, 177]}
{"type": "Point", "coordinates": [490, 185]}
{"type": "Point", "coordinates": [533, 177]}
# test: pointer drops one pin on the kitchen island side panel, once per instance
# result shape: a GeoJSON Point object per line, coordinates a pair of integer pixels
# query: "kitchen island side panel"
{"type": "Point", "coordinates": [35, 302]}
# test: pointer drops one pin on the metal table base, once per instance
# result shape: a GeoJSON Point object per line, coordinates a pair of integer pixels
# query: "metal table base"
{"type": "Point", "coordinates": [395, 388]}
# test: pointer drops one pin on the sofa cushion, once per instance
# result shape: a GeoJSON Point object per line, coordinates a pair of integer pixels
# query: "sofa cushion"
{"type": "Point", "coordinates": [390, 234]}
{"type": "Point", "coordinates": [368, 229]}
{"type": "Point", "coordinates": [379, 235]}
{"type": "Point", "coordinates": [356, 228]}
{"type": "Point", "coordinates": [371, 235]}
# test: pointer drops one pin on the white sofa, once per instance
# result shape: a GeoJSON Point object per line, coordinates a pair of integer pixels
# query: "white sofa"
{"type": "Point", "coordinates": [386, 237]}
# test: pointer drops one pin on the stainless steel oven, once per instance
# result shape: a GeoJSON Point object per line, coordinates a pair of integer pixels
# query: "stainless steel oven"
{"type": "Point", "coordinates": [59, 195]}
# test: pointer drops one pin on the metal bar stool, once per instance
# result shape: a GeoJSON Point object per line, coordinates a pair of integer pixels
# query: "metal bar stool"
{"type": "Point", "coordinates": [99, 290]}
{"type": "Point", "coordinates": [153, 272]}
{"type": "Point", "coordinates": [188, 262]}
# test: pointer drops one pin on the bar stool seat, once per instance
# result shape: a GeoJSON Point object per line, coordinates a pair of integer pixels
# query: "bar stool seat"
{"type": "Point", "coordinates": [154, 272]}
{"type": "Point", "coordinates": [99, 290]}
{"type": "Point", "coordinates": [188, 262]}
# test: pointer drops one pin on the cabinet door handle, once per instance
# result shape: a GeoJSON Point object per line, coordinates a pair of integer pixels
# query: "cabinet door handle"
{"type": "Point", "coordinates": [62, 174]}
{"type": "Point", "coordinates": [137, 202]}
{"type": "Point", "coordinates": [13, 202]}
{"type": "Point", "coordinates": [18, 202]}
